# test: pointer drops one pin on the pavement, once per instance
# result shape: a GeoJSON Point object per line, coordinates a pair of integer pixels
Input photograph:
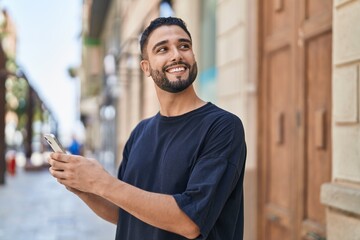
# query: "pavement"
{"type": "Point", "coordinates": [34, 206]}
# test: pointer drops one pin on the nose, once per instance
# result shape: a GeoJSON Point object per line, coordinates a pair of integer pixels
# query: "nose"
{"type": "Point", "coordinates": [176, 54]}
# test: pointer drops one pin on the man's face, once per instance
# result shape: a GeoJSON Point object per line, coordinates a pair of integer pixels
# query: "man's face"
{"type": "Point", "coordinates": [169, 59]}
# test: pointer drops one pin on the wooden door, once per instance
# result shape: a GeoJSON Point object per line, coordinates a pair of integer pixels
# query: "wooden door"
{"type": "Point", "coordinates": [315, 48]}
{"type": "Point", "coordinates": [295, 117]}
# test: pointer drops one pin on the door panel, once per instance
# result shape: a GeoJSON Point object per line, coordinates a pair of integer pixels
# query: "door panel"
{"type": "Point", "coordinates": [318, 103]}
{"type": "Point", "coordinates": [316, 55]}
{"type": "Point", "coordinates": [278, 189]}
{"type": "Point", "coordinates": [318, 130]}
{"type": "Point", "coordinates": [278, 125]}
{"type": "Point", "coordinates": [278, 121]}
{"type": "Point", "coordinates": [316, 8]}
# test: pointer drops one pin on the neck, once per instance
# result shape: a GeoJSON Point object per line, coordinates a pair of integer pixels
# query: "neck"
{"type": "Point", "coordinates": [175, 104]}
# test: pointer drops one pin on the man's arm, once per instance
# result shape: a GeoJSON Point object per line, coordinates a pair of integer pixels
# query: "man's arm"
{"type": "Point", "coordinates": [87, 175]}
{"type": "Point", "coordinates": [100, 206]}
{"type": "Point", "coordinates": [159, 210]}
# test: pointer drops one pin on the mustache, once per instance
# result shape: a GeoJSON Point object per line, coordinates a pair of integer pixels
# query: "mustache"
{"type": "Point", "coordinates": [176, 63]}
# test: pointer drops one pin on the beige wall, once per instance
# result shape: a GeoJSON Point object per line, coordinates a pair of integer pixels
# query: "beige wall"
{"type": "Point", "coordinates": [342, 195]}
{"type": "Point", "coordinates": [237, 86]}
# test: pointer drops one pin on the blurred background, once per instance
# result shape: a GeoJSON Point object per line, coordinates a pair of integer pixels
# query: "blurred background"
{"type": "Point", "coordinates": [288, 68]}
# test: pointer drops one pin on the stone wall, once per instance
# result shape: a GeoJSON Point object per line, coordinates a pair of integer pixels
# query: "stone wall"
{"type": "Point", "coordinates": [342, 195]}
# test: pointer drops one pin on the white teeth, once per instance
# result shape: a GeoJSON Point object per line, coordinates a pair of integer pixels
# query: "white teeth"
{"type": "Point", "coordinates": [178, 69]}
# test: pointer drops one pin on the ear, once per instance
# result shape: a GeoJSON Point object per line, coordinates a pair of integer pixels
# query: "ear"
{"type": "Point", "coordinates": [145, 66]}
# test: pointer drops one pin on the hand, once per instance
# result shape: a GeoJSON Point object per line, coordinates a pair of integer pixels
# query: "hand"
{"type": "Point", "coordinates": [74, 190]}
{"type": "Point", "coordinates": [77, 173]}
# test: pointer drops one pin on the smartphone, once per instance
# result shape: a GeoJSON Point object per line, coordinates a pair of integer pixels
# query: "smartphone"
{"type": "Point", "coordinates": [54, 143]}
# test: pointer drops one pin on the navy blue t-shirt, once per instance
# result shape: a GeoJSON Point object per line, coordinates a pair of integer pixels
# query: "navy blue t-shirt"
{"type": "Point", "coordinates": [199, 158]}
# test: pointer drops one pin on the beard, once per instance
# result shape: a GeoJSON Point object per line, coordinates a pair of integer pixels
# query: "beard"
{"type": "Point", "coordinates": [175, 86]}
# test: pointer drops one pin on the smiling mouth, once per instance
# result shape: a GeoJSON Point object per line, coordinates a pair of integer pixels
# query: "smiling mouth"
{"type": "Point", "coordinates": [176, 67]}
{"type": "Point", "coordinates": [176, 70]}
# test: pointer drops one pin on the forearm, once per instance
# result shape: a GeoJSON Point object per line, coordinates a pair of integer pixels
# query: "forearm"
{"type": "Point", "coordinates": [100, 206]}
{"type": "Point", "coordinates": [159, 210]}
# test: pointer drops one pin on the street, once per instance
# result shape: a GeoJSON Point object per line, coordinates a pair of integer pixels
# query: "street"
{"type": "Point", "coordinates": [34, 206]}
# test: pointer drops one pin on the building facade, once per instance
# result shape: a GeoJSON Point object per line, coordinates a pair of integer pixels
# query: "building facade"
{"type": "Point", "coordinates": [288, 69]}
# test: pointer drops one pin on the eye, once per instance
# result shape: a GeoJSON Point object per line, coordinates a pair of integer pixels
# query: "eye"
{"type": "Point", "coordinates": [184, 46]}
{"type": "Point", "coordinates": [161, 50]}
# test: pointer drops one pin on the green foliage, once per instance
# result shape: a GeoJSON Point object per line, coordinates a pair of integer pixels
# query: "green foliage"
{"type": "Point", "coordinates": [17, 91]}
{"type": "Point", "coordinates": [16, 94]}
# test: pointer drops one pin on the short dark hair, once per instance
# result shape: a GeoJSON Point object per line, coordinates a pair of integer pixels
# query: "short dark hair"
{"type": "Point", "coordinates": [158, 22]}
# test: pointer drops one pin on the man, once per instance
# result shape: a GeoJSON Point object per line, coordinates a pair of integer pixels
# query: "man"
{"type": "Point", "coordinates": [182, 171]}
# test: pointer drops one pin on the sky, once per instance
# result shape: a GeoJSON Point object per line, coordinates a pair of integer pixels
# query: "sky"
{"type": "Point", "coordinates": [48, 43]}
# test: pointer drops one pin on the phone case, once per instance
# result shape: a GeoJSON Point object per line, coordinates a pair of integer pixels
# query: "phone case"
{"type": "Point", "coordinates": [54, 143]}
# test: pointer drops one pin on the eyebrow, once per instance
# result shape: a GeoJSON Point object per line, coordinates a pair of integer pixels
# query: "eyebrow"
{"type": "Point", "coordinates": [166, 41]}
{"type": "Point", "coordinates": [159, 44]}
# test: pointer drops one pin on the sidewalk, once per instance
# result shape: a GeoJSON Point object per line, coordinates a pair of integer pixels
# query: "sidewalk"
{"type": "Point", "coordinates": [34, 206]}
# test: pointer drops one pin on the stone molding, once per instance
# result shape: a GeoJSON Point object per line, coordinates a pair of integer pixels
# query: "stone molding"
{"type": "Point", "coordinates": [345, 197]}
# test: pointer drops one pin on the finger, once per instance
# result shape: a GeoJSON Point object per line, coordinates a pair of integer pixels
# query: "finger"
{"type": "Point", "coordinates": [54, 155]}
{"type": "Point", "coordinates": [62, 157]}
{"type": "Point", "coordinates": [56, 173]}
{"type": "Point", "coordinates": [58, 169]}
{"type": "Point", "coordinates": [50, 161]}
{"type": "Point", "coordinates": [57, 165]}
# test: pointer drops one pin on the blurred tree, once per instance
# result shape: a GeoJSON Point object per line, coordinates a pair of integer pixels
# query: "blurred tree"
{"type": "Point", "coordinates": [2, 115]}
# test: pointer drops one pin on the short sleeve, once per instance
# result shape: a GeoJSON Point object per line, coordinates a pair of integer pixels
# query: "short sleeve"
{"type": "Point", "coordinates": [215, 174]}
